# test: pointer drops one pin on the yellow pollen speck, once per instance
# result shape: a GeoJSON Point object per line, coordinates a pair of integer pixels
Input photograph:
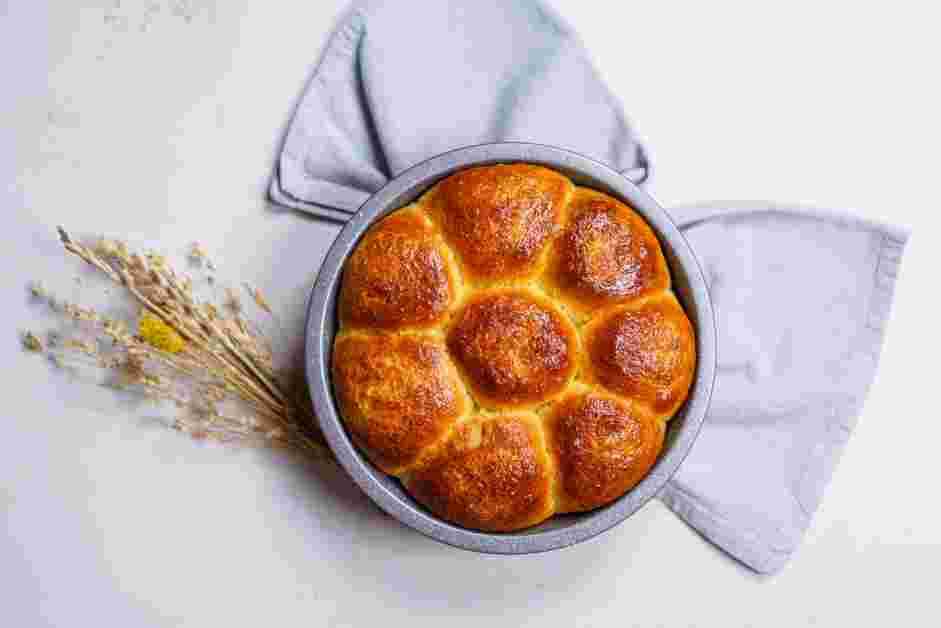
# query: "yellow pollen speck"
{"type": "Point", "coordinates": [160, 335]}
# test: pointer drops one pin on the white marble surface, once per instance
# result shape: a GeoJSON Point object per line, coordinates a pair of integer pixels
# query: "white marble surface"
{"type": "Point", "coordinates": [157, 120]}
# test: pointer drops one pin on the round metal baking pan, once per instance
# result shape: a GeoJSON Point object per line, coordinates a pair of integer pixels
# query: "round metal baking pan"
{"type": "Point", "coordinates": [560, 530]}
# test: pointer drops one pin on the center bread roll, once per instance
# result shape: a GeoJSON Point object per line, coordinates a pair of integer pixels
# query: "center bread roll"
{"type": "Point", "coordinates": [510, 347]}
{"type": "Point", "coordinates": [514, 346]}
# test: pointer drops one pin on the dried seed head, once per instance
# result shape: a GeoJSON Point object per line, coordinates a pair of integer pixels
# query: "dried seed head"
{"type": "Point", "coordinates": [133, 368]}
{"type": "Point", "coordinates": [259, 298]}
{"type": "Point", "coordinates": [80, 313]}
{"type": "Point", "coordinates": [152, 380]}
{"type": "Point", "coordinates": [81, 346]}
{"type": "Point", "coordinates": [213, 392]}
{"type": "Point", "coordinates": [211, 312]}
{"type": "Point", "coordinates": [197, 254]}
{"type": "Point", "coordinates": [232, 301]}
{"type": "Point", "coordinates": [106, 248]}
{"type": "Point", "coordinates": [156, 260]}
{"type": "Point", "coordinates": [38, 290]}
{"type": "Point", "coordinates": [117, 331]}
{"type": "Point", "coordinates": [32, 343]}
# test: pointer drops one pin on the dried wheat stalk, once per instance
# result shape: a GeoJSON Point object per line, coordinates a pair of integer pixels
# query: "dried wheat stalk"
{"type": "Point", "coordinates": [216, 368]}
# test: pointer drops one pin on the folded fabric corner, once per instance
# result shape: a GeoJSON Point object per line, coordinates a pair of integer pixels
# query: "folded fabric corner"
{"type": "Point", "coordinates": [802, 298]}
{"type": "Point", "coordinates": [382, 100]}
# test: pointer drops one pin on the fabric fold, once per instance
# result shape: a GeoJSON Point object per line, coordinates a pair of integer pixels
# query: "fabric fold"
{"type": "Point", "coordinates": [802, 298]}
{"type": "Point", "coordinates": [383, 99]}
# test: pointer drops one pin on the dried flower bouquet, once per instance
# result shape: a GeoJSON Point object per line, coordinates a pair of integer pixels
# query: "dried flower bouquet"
{"type": "Point", "coordinates": [206, 359]}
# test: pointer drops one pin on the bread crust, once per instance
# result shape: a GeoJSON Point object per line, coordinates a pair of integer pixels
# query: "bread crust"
{"type": "Point", "coordinates": [500, 219]}
{"type": "Point", "coordinates": [492, 474]}
{"type": "Point", "coordinates": [644, 351]}
{"type": "Point", "coordinates": [399, 395]}
{"type": "Point", "coordinates": [400, 275]}
{"type": "Point", "coordinates": [510, 347]}
{"type": "Point", "coordinates": [515, 348]}
{"type": "Point", "coordinates": [606, 255]}
{"type": "Point", "coordinates": [603, 446]}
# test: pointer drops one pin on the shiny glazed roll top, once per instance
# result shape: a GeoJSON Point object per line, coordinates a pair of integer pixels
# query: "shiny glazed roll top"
{"type": "Point", "coordinates": [510, 347]}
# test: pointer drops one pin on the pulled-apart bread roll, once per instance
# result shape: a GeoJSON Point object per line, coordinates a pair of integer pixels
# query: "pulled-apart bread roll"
{"type": "Point", "coordinates": [510, 347]}
{"type": "Point", "coordinates": [493, 473]}
{"type": "Point", "coordinates": [602, 445]}
{"type": "Point", "coordinates": [515, 347]}
{"type": "Point", "coordinates": [607, 254]}
{"type": "Point", "coordinates": [400, 275]}
{"type": "Point", "coordinates": [398, 394]}
{"type": "Point", "coordinates": [644, 351]}
{"type": "Point", "coordinates": [500, 219]}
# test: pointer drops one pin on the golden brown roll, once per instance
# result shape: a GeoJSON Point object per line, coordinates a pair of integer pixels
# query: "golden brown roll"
{"type": "Point", "coordinates": [500, 219]}
{"type": "Point", "coordinates": [514, 347]}
{"type": "Point", "coordinates": [645, 351]}
{"type": "Point", "coordinates": [399, 275]}
{"type": "Point", "coordinates": [510, 347]}
{"type": "Point", "coordinates": [602, 446]}
{"type": "Point", "coordinates": [398, 395]}
{"type": "Point", "coordinates": [491, 474]}
{"type": "Point", "coordinates": [606, 255]}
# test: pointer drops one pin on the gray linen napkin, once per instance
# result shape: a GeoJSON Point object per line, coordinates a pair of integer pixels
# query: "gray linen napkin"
{"type": "Point", "coordinates": [404, 80]}
{"type": "Point", "coordinates": [801, 296]}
